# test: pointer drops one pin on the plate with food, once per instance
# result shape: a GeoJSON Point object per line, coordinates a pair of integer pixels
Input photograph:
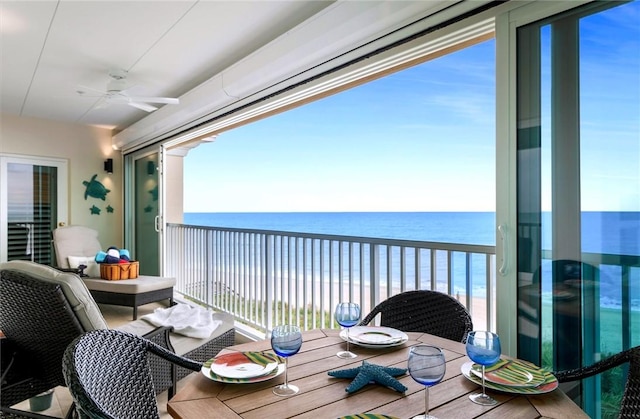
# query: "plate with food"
{"type": "Point", "coordinates": [512, 373]}
{"type": "Point", "coordinates": [530, 379]}
{"type": "Point", "coordinates": [243, 367]}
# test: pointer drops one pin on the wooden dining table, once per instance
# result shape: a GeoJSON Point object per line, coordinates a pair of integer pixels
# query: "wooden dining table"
{"type": "Point", "coordinates": [322, 396]}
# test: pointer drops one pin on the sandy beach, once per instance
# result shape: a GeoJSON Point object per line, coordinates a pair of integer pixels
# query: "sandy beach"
{"type": "Point", "coordinates": [329, 295]}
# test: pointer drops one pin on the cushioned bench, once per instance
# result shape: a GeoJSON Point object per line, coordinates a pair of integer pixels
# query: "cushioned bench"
{"type": "Point", "coordinates": [79, 244]}
{"type": "Point", "coordinates": [131, 292]}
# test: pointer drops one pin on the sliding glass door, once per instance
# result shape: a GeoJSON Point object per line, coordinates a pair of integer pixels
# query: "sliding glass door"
{"type": "Point", "coordinates": [33, 201]}
{"type": "Point", "coordinates": [143, 210]}
{"type": "Point", "coordinates": [577, 165]}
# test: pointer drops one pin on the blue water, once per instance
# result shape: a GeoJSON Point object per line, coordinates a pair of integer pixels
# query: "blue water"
{"type": "Point", "coordinates": [616, 233]}
{"type": "Point", "coordinates": [450, 227]}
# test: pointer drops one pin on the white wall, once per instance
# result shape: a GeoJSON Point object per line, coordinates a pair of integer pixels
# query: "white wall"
{"type": "Point", "coordinates": [174, 189]}
{"type": "Point", "coordinates": [85, 149]}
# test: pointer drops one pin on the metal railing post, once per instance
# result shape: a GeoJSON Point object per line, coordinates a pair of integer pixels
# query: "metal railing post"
{"type": "Point", "coordinates": [374, 273]}
{"type": "Point", "coordinates": [268, 281]}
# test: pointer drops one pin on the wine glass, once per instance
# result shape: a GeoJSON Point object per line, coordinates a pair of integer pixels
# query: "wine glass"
{"type": "Point", "coordinates": [483, 348]}
{"type": "Point", "coordinates": [286, 340]}
{"type": "Point", "coordinates": [426, 366]}
{"type": "Point", "coordinates": [347, 315]}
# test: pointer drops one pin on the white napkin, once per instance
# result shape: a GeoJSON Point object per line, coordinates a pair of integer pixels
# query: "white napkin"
{"type": "Point", "coordinates": [195, 322]}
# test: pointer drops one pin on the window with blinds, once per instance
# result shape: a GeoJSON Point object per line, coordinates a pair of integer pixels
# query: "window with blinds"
{"type": "Point", "coordinates": [31, 212]}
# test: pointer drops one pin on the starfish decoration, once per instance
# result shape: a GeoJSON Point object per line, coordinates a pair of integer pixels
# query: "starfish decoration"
{"type": "Point", "coordinates": [367, 373]}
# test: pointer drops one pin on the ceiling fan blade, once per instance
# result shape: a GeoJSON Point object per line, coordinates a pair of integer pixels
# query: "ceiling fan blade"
{"type": "Point", "coordinates": [122, 99]}
{"type": "Point", "coordinates": [167, 100]}
{"type": "Point", "coordinates": [143, 106]}
{"type": "Point", "coordinates": [117, 94]}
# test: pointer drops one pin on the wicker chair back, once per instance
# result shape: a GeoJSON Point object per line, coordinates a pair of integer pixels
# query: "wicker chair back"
{"type": "Point", "coordinates": [630, 407]}
{"type": "Point", "coordinates": [425, 311]}
{"type": "Point", "coordinates": [108, 374]}
{"type": "Point", "coordinates": [39, 324]}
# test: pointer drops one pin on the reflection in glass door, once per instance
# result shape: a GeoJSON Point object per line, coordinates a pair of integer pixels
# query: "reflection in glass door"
{"type": "Point", "coordinates": [142, 232]}
{"type": "Point", "coordinates": [578, 197]}
{"type": "Point", "coordinates": [33, 202]}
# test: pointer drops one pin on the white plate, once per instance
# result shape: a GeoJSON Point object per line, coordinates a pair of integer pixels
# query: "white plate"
{"type": "Point", "coordinates": [244, 364]}
{"type": "Point", "coordinates": [206, 371]}
{"type": "Point", "coordinates": [375, 336]}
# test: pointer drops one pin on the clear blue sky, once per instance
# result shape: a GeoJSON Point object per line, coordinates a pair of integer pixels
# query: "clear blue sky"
{"type": "Point", "coordinates": [422, 139]}
{"type": "Point", "coordinates": [399, 143]}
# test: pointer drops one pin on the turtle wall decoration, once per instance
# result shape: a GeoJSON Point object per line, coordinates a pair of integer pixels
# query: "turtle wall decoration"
{"type": "Point", "coordinates": [95, 189]}
{"type": "Point", "coordinates": [154, 193]}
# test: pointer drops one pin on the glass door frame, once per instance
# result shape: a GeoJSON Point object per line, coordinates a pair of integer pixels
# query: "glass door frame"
{"type": "Point", "coordinates": [130, 200]}
{"type": "Point", "coordinates": [62, 202]}
{"type": "Point", "coordinates": [506, 160]}
{"type": "Point", "coordinates": [576, 321]}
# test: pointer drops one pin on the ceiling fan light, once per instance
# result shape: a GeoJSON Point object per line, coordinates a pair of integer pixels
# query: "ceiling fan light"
{"type": "Point", "coordinates": [117, 85]}
{"type": "Point", "coordinates": [118, 73]}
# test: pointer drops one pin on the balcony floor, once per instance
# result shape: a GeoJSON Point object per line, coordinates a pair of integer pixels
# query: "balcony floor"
{"type": "Point", "coordinates": [115, 316]}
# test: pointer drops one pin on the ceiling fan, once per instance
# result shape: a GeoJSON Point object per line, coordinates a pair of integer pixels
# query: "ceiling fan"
{"type": "Point", "coordinates": [116, 94]}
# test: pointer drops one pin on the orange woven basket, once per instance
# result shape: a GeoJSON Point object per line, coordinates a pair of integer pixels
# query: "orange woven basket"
{"type": "Point", "coordinates": [118, 271]}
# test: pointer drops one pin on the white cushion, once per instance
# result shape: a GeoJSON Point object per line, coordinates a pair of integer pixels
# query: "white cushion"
{"type": "Point", "coordinates": [73, 288]}
{"type": "Point", "coordinates": [93, 269]}
{"type": "Point", "coordinates": [142, 283]}
{"type": "Point", "coordinates": [75, 241]}
{"type": "Point", "coordinates": [182, 344]}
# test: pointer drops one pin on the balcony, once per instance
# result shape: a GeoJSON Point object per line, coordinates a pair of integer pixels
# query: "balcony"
{"type": "Point", "coordinates": [265, 278]}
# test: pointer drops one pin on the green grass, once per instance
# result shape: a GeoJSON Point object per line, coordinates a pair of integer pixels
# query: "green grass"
{"type": "Point", "coordinates": [612, 384]}
{"type": "Point", "coordinates": [610, 342]}
{"type": "Point", "coordinates": [280, 312]}
{"type": "Point", "coordinates": [610, 328]}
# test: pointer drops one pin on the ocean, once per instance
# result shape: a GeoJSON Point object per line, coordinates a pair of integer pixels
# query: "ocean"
{"type": "Point", "coordinates": [450, 227]}
{"type": "Point", "coordinates": [616, 233]}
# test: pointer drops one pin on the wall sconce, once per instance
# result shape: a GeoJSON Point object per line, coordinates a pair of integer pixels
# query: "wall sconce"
{"type": "Point", "coordinates": [151, 168]}
{"type": "Point", "coordinates": [108, 166]}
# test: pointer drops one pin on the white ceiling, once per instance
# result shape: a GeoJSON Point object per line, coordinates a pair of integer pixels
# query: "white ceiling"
{"type": "Point", "coordinates": [183, 49]}
{"type": "Point", "coordinates": [49, 48]}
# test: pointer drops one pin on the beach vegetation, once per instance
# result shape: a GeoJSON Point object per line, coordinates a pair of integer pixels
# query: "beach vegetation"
{"type": "Point", "coordinates": [612, 383]}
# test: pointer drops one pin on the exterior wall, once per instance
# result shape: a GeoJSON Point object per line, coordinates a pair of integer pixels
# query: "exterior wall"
{"type": "Point", "coordinates": [174, 189]}
{"type": "Point", "coordinates": [85, 149]}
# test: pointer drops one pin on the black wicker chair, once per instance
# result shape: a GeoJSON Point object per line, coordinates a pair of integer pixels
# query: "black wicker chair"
{"type": "Point", "coordinates": [630, 407]}
{"type": "Point", "coordinates": [37, 332]}
{"type": "Point", "coordinates": [39, 322]}
{"type": "Point", "coordinates": [108, 375]}
{"type": "Point", "coordinates": [425, 311]}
